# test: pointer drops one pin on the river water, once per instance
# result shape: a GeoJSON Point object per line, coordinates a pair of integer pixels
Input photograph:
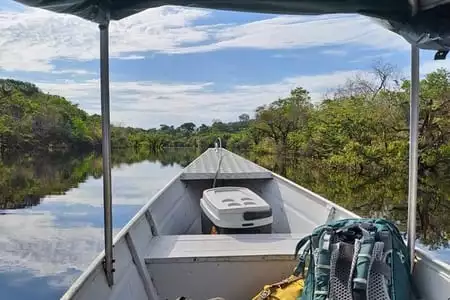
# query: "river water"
{"type": "Point", "coordinates": [44, 247]}
{"type": "Point", "coordinates": [51, 217]}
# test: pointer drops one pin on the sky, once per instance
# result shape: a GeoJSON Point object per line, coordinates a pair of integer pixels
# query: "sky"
{"type": "Point", "coordinates": [171, 65]}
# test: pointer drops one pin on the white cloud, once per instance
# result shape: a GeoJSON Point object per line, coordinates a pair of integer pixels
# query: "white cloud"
{"type": "Point", "coordinates": [148, 104]}
{"type": "Point", "coordinates": [427, 66]}
{"type": "Point", "coordinates": [335, 52]}
{"type": "Point", "coordinates": [32, 39]}
{"type": "Point", "coordinates": [289, 32]}
{"type": "Point", "coordinates": [130, 182]}
{"type": "Point", "coordinates": [38, 247]}
{"type": "Point", "coordinates": [432, 65]}
{"type": "Point", "coordinates": [316, 84]}
{"type": "Point", "coordinates": [73, 71]}
{"type": "Point", "coordinates": [132, 57]}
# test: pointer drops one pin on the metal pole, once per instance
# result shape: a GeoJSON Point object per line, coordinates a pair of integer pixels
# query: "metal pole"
{"type": "Point", "coordinates": [106, 149]}
{"type": "Point", "coordinates": [219, 151]}
{"type": "Point", "coordinates": [414, 6]}
{"type": "Point", "coordinates": [413, 152]}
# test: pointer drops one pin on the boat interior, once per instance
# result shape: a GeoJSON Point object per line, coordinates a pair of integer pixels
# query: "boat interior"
{"type": "Point", "coordinates": [202, 263]}
{"type": "Point", "coordinates": [163, 254]}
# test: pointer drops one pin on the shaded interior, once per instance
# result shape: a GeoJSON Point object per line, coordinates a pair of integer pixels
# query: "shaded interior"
{"type": "Point", "coordinates": [181, 253]}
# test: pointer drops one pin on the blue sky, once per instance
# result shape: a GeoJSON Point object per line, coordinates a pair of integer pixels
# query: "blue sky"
{"type": "Point", "coordinates": [171, 65]}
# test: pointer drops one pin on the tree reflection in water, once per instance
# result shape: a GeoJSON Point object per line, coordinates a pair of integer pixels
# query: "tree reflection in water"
{"type": "Point", "coordinates": [24, 181]}
{"type": "Point", "coordinates": [376, 194]}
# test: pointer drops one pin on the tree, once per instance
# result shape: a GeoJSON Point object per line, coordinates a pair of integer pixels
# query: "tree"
{"type": "Point", "coordinates": [202, 128]}
{"type": "Point", "coordinates": [187, 128]}
{"type": "Point", "coordinates": [382, 77]}
{"type": "Point", "coordinates": [164, 127]}
{"type": "Point", "coordinates": [286, 115]}
{"type": "Point", "coordinates": [219, 126]}
{"type": "Point", "coordinates": [244, 118]}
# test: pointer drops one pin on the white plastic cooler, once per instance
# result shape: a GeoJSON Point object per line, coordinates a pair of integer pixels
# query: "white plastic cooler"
{"type": "Point", "coordinates": [234, 210]}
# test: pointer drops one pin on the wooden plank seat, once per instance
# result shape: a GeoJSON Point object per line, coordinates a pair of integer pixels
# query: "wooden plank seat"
{"type": "Point", "coordinates": [208, 266]}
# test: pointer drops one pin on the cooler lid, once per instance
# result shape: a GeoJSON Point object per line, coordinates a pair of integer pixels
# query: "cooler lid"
{"type": "Point", "coordinates": [234, 199]}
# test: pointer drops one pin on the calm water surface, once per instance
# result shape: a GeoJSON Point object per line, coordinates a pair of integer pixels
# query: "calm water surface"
{"type": "Point", "coordinates": [52, 219]}
{"type": "Point", "coordinates": [45, 247]}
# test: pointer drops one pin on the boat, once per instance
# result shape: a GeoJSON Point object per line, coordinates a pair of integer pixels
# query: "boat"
{"type": "Point", "coordinates": [161, 253]}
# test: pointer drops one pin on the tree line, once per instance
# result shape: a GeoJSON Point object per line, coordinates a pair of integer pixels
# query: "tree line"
{"type": "Point", "coordinates": [34, 122]}
{"type": "Point", "coordinates": [361, 126]}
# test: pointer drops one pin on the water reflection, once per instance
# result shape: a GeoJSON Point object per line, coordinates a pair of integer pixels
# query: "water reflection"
{"type": "Point", "coordinates": [25, 180]}
{"type": "Point", "coordinates": [375, 195]}
{"type": "Point", "coordinates": [52, 217]}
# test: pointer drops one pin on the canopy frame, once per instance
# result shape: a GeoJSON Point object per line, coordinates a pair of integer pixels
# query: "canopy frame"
{"type": "Point", "coordinates": [413, 152]}
{"type": "Point", "coordinates": [108, 262]}
{"type": "Point", "coordinates": [106, 151]}
{"type": "Point", "coordinates": [100, 13]}
{"type": "Point", "coordinates": [413, 145]}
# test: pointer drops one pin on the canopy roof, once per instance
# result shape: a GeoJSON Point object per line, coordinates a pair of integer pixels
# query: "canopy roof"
{"type": "Point", "coordinates": [94, 10]}
{"type": "Point", "coordinates": [429, 28]}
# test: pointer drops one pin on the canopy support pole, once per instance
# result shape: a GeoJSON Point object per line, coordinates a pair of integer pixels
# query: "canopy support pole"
{"type": "Point", "coordinates": [413, 152]}
{"type": "Point", "coordinates": [106, 150]}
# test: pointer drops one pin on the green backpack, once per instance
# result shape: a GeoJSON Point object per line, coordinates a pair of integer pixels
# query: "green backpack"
{"type": "Point", "coordinates": [355, 259]}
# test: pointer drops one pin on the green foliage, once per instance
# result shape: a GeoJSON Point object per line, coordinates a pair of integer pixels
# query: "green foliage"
{"type": "Point", "coordinates": [31, 121]}
{"type": "Point", "coordinates": [34, 122]}
{"type": "Point", "coordinates": [25, 180]}
{"type": "Point", "coordinates": [353, 149]}
{"type": "Point", "coordinates": [240, 141]}
{"type": "Point", "coordinates": [278, 119]}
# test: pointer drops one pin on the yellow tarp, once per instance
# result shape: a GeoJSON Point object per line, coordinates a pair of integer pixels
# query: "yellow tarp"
{"type": "Point", "coordinates": [288, 289]}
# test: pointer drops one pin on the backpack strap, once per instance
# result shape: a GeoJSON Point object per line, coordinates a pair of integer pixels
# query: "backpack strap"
{"type": "Point", "coordinates": [301, 243]}
{"type": "Point", "coordinates": [308, 243]}
{"type": "Point", "coordinates": [363, 259]}
{"type": "Point", "coordinates": [322, 266]}
{"type": "Point", "coordinates": [341, 258]}
{"type": "Point", "coordinates": [377, 287]}
{"type": "Point", "coordinates": [300, 268]}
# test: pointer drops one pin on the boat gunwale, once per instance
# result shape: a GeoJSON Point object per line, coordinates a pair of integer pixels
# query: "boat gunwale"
{"type": "Point", "coordinates": [428, 258]}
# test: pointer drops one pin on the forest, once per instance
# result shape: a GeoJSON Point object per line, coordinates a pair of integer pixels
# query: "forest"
{"type": "Point", "coordinates": [351, 147]}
